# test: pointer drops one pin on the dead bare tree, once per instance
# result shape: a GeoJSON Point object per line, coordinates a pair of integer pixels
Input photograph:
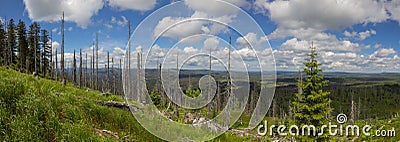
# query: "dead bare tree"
{"type": "Point", "coordinates": [176, 112]}
{"type": "Point", "coordinates": [120, 77]}
{"type": "Point", "coordinates": [85, 74]}
{"type": "Point", "coordinates": [228, 86]}
{"type": "Point", "coordinates": [108, 71]}
{"type": "Point", "coordinates": [80, 68]}
{"type": "Point", "coordinates": [113, 76]}
{"type": "Point", "coordinates": [91, 73]}
{"type": "Point", "coordinates": [352, 113]}
{"type": "Point", "coordinates": [92, 76]}
{"type": "Point", "coordinates": [139, 76]}
{"type": "Point", "coordinates": [51, 55]}
{"type": "Point", "coordinates": [97, 60]}
{"type": "Point", "coordinates": [74, 70]}
{"type": "Point", "coordinates": [64, 82]}
{"type": "Point", "coordinates": [128, 68]}
{"type": "Point", "coordinates": [209, 87]}
{"type": "Point", "coordinates": [56, 65]}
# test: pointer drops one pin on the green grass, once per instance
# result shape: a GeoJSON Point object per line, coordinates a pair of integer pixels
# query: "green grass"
{"type": "Point", "coordinates": [42, 110]}
{"type": "Point", "coordinates": [33, 109]}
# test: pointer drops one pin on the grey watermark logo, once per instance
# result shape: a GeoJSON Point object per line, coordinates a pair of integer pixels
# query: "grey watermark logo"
{"type": "Point", "coordinates": [331, 129]}
{"type": "Point", "coordinates": [174, 23]}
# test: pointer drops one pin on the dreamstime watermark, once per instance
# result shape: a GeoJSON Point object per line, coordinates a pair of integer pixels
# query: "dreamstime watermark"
{"type": "Point", "coordinates": [182, 25]}
{"type": "Point", "coordinates": [330, 129]}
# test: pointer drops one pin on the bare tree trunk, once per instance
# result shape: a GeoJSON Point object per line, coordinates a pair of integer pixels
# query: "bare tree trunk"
{"type": "Point", "coordinates": [352, 113]}
{"type": "Point", "coordinates": [80, 68]}
{"type": "Point", "coordinates": [104, 81]}
{"type": "Point", "coordinates": [97, 60]}
{"type": "Point", "coordinates": [86, 75]}
{"type": "Point", "coordinates": [228, 86]}
{"type": "Point", "coordinates": [51, 55]}
{"type": "Point", "coordinates": [92, 76]}
{"type": "Point", "coordinates": [56, 65]}
{"type": "Point", "coordinates": [64, 82]}
{"type": "Point", "coordinates": [120, 78]}
{"type": "Point", "coordinates": [176, 112]}
{"type": "Point", "coordinates": [91, 73]}
{"type": "Point", "coordinates": [108, 71]}
{"type": "Point", "coordinates": [139, 77]}
{"type": "Point", "coordinates": [209, 87]}
{"type": "Point", "coordinates": [74, 70]}
{"type": "Point", "coordinates": [113, 76]}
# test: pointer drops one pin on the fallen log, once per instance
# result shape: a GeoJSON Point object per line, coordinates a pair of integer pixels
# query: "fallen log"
{"type": "Point", "coordinates": [120, 105]}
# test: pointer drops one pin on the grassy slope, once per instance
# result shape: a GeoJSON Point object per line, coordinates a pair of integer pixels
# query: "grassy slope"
{"type": "Point", "coordinates": [42, 110]}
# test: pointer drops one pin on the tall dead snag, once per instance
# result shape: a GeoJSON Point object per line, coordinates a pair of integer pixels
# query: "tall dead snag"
{"type": "Point", "coordinates": [120, 78]}
{"type": "Point", "coordinates": [104, 82]}
{"type": "Point", "coordinates": [228, 85]}
{"type": "Point", "coordinates": [80, 68]}
{"type": "Point", "coordinates": [56, 67]}
{"type": "Point", "coordinates": [209, 87]}
{"type": "Point", "coordinates": [139, 77]}
{"type": "Point", "coordinates": [34, 53]}
{"type": "Point", "coordinates": [51, 55]}
{"type": "Point", "coordinates": [113, 76]}
{"type": "Point", "coordinates": [64, 82]}
{"type": "Point", "coordinates": [128, 67]}
{"type": "Point", "coordinates": [352, 113]}
{"type": "Point", "coordinates": [176, 112]}
{"type": "Point", "coordinates": [74, 69]}
{"type": "Point", "coordinates": [97, 60]}
{"type": "Point", "coordinates": [85, 75]}
{"type": "Point", "coordinates": [92, 75]}
{"type": "Point", "coordinates": [108, 71]}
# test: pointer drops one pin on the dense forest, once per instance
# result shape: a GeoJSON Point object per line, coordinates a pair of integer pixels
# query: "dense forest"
{"type": "Point", "coordinates": [29, 50]}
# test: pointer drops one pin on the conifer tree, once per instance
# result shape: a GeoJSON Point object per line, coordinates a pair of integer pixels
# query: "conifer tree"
{"type": "Point", "coordinates": [22, 45]}
{"type": "Point", "coordinates": [3, 47]}
{"type": "Point", "coordinates": [34, 47]}
{"type": "Point", "coordinates": [312, 102]}
{"type": "Point", "coordinates": [11, 43]}
{"type": "Point", "coordinates": [46, 52]}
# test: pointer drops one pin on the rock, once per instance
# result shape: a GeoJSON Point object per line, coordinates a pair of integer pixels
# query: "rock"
{"type": "Point", "coordinates": [35, 74]}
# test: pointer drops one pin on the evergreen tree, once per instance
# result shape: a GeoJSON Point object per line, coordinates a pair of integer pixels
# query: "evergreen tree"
{"type": "Point", "coordinates": [311, 104]}
{"type": "Point", "coordinates": [22, 45]}
{"type": "Point", "coordinates": [11, 43]}
{"type": "Point", "coordinates": [46, 52]}
{"type": "Point", "coordinates": [3, 44]}
{"type": "Point", "coordinates": [34, 47]}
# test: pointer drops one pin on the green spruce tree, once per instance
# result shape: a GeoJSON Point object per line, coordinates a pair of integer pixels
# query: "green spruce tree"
{"type": "Point", "coordinates": [311, 103]}
{"type": "Point", "coordinates": [3, 43]}
{"type": "Point", "coordinates": [34, 47]}
{"type": "Point", "coordinates": [11, 44]}
{"type": "Point", "coordinates": [46, 52]}
{"type": "Point", "coordinates": [22, 45]}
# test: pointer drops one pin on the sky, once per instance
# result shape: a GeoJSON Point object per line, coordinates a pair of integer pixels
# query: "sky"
{"type": "Point", "coordinates": [350, 36]}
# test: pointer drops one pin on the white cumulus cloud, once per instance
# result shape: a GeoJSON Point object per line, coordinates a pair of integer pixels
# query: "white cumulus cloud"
{"type": "Point", "coordinates": [78, 11]}
{"type": "Point", "coordinates": [140, 5]}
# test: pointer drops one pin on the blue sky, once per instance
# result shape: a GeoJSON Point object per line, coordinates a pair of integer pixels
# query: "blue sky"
{"type": "Point", "coordinates": [360, 36]}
